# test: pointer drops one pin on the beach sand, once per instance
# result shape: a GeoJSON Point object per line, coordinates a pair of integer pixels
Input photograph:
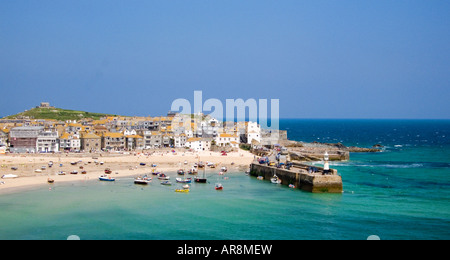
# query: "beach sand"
{"type": "Point", "coordinates": [121, 165]}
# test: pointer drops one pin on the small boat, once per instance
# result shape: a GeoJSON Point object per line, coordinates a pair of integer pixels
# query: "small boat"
{"type": "Point", "coordinates": [201, 165]}
{"type": "Point", "coordinates": [180, 172]}
{"type": "Point", "coordinates": [200, 180]}
{"type": "Point", "coordinates": [167, 183]}
{"type": "Point", "coordinates": [14, 168]}
{"type": "Point", "coordinates": [182, 190]}
{"type": "Point", "coordinates": [108, 171]}
{"type": "Point", "coordinates": [188, 180]}
{"type": "Point", "coordinates": [260, 178]}
{"type": "Point", "coordinates": [292, 186]}
{"type": "Point", "coordinates": [224, 169]}
{"type": "Point", "coordinates": [219, 186]}
{"type": "Point", "coordinates": [61, 173]}
{"type": "Point", "coordinates": [163, 177]}
{"type": "Point", "coordinates": [186, 186]}
{"type": "Point", "coordinates": [38, 171]}
{"type": "Point", "coordinates": [142, 164]}
{"type": "Point", "coordinates": [106, 178]}
{"type": "Point", "coordinates": [84, 172]}
{"type": "Point", "coordinates": [275, 180]}
{"type": "Point", "coordinates": [74, 172]}
{"type": "Point", "coordinates": [10, 176]}
{"type": "Point", "coordinates": [193, 171]}
{"type": "Point", "coordinates": [50, 180]}
{"type": "Point", "coordinates": [142, 181]}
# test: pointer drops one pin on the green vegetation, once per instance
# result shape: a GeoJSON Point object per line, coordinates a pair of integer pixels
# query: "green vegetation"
{"type": "Point", "coordinates": [57, 114]}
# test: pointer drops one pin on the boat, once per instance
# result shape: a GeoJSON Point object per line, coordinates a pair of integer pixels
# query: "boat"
{"type": "Point", "coordinates": [224, 169]}
{"type": "Point", "coordinates": [38, 171]}
{"type": "Point", "coordinates": [167, 183]}
{"type": "Point", "coordinates": [182, 190]}
{"type": "Point", "coordinates": [219, 186]}
{"type": "Point", "coordinates": [186, 186]}
{"type": "Point", "coordinates": [50, 180]}
{"type": "Point", "coordinates": [188, 180]}
{"type": "Point", "coordinates": [142, 181]}
{"type": "Point", "coordinates": [106, 178]}
{"type": "Point", "coordinates": [180, 172]}
{"type": "Point", "coordinates": [163, 177]}
{"type": "Point", "coordinates": [142, 164]}
{"type": "Point", "coordinates": [108, 171]}
{"type": "Point", "coordinates": [260, 178]}
{"type": "Point", "coordinates": [201, 180]}
{"type": "Point", "coordinates": [292, 186]}
{"type": "Point", "coordinates": [74, 172]}
{"type": "Point", "coordinates": [193, 171]}
{"type": "Point", "coordinates": [10, 176]}
{"type": "Point", "coordinates": [275, 180]}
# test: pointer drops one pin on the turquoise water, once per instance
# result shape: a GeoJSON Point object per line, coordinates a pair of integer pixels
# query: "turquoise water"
{"type": "Point", "coordinates": [401, 193]}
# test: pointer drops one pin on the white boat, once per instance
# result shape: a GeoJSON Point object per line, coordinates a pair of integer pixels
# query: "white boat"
{"type": "Point", "coordinates": [275, 180]}
{"type": "Point", "coordinates": [10, 176]}
{"type": "Point", "coordinates": [142, 181]}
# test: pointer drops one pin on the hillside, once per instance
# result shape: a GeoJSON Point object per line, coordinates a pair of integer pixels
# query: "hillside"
{"type": "Point", "coordinates": [57, 114]}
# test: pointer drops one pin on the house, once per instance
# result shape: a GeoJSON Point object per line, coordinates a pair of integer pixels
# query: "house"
{"type": "Point", "coordinates": [224, 140]}
{"type": "Point", "coordinates": [180, 140]}
{"type": "Point", "coordinates": [152, 139]}
{"type": "Point", "coordinates": [135, 142]}
{"type": "Point", "coordinates": [91, 142]}
{"type": "Point", "coordinates": [70, 142]}
{"type": "Point", "coordinates": [199, 144]}
{"type": "Point", "coordinates": [47, 141]}
{"type": "Point", "coordinates": [113, 141]}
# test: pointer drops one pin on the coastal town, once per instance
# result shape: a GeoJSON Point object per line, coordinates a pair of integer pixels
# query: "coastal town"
{"type": "Point", "coordinates": [118, 134]}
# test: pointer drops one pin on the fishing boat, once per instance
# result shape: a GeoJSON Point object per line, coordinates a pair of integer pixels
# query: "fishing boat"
{"type": "Point", "coordinates": [275, 180]}
{"type": "Point", "coordinates": [106, 178]}
{"type": "Point", "coordinates": [180, 172]}
{"type": "Point", "coordinates": [188, 180]}
{"type": "Point", "coordinates": [219, 186]}
{"type": "Point", "coordinates": [167, 183]}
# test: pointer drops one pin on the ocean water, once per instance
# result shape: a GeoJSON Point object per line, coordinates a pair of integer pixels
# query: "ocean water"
{"type": "Point", "coordinates": [401, 193]}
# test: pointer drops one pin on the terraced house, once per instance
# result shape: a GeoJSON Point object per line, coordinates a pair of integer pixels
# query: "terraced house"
{"type": "Point", "coordinates": [113, 141]}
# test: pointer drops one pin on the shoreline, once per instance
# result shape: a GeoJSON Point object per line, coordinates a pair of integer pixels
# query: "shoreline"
{"type": "Point", "coordinates": [126, 165]}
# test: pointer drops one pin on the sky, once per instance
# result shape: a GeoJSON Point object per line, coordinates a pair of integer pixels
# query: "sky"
{"type": "Point", "coordinates": [321, 59]}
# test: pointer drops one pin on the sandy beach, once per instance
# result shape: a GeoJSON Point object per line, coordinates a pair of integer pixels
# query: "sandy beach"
{"type": "Point", "coordinates": [121, 165]}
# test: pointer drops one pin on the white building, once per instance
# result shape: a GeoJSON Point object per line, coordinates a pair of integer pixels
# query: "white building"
{"type": "Point", "coordinates": [223, 140]}
{"type": "Point", "coordinates": [253, 132]}
{"type": "Point", "coordinates": [47, 142]}
{"type": "Point", "coordinates": [199, 144]}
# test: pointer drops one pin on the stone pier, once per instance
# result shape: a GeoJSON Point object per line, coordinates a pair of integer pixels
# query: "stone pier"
{"type": "Point", "coordinates": [302, 177]}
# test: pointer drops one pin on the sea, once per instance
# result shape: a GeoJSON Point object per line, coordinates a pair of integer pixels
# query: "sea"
{"type": "Point", "coordinates": [401, 193]}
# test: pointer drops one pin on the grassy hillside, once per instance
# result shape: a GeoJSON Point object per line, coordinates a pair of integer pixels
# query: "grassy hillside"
{"type": "Point", "coordinates": [57, 114]}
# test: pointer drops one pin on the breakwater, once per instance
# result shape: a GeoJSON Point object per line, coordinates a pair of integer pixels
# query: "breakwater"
{"type": "Point", "coordinates": [302, 176]}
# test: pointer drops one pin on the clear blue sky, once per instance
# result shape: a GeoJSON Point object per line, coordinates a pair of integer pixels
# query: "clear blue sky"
{"type": "Point", "coordinates": [322, 59]}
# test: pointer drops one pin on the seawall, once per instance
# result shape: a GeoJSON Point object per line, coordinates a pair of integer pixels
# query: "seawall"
{"type": "Point", "coordinates": [300, 176]}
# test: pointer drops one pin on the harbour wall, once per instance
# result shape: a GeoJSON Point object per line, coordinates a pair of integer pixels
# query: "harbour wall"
{"type": "Point", "coordinates": [300, 176]}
